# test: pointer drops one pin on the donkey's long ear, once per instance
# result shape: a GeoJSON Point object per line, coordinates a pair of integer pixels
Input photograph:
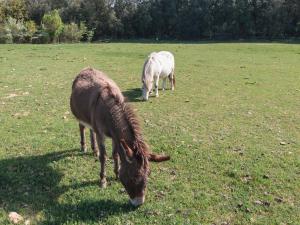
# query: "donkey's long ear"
{"type": "Point", "coordinates": [128, 151]}
{"type": "Point", "coordinates": [158, 158]}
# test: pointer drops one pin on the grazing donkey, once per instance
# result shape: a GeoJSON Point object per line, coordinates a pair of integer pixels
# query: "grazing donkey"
{"type": "Point", "coordinates": [97, 102]}
{"type": "Point", "coordinates": [158, 64]}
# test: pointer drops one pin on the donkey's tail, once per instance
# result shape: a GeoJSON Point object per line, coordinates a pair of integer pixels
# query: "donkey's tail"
{"type": "Point", "coordinates": [174, 80]}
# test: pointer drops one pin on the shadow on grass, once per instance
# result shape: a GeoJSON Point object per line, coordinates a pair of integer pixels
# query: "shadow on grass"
{"type": "Point", "coordinates": [31, 184]}
{"type": "Point", "coordinates": [133, 95]}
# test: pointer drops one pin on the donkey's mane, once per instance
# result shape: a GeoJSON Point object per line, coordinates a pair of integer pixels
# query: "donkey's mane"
{"type": "Point", "coordinates": [124, 120]}
{"type": "Point", "coordinates": [139, 144]}
{"type": "Point", "coordinates": [146, 66]}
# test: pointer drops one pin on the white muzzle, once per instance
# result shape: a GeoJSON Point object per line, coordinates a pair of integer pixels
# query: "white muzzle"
{"type": "Point", "coordinates": [137, 201]}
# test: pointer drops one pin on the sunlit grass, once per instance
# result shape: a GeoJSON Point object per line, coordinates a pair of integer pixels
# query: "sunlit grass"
{"type": "Point", "coordinates": [232, 128]}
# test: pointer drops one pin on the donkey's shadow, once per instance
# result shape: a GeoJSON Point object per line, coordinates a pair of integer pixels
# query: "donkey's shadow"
{"type": "Point", "coordinates": [133, 95]}
{"type": "Point", "coordinates": [31, 184]}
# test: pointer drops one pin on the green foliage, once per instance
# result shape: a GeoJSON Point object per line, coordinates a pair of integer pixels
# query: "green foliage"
{"type": "Point", "coordinates": [52, 24]}
{"type": "Point", "coordinates": [87, 35]}
{"type": "Point", "coordinates": [13, 31]}
{"type": "Point", "coordinates": [5, 34]}
{"type": "Point", "coordinates": [40, 37]}
{"type": "Point", "coordinates": [71, 33]}
{"type": "Point", "coordinates": [17, 29]}
{"type": "Point", "coordinates": [74, 33]}
{"type": "Point", "coordinates": [15, 9]}
{"type": "Point", "coordinates": [2, 12]}
{"type": "Point", "coordinates": [31, 27]}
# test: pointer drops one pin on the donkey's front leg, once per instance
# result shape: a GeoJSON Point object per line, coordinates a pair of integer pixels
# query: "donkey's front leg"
{"type": "Point", "coordinates": [102, 159]}
{"type": "Point", "coordinates": [164, 83]}
{"type": "Point", "coordinates": [156, 79]}
{"type": "Point", "coordinates": [82, 138]}
{"type": "Point", "coordinates": [116, 159]}
{"type": "Point", "coordinates": [94, 145]}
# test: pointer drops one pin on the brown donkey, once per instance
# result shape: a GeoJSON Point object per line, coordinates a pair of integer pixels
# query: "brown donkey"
{"type": "Point", "coordinates": [97, 103]}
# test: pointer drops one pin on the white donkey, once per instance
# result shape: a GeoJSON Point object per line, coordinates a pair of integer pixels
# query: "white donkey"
{"type": "Point", "coordinates": [159, 64]}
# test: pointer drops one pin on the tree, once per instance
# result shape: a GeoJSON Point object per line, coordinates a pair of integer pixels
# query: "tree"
{"type": "Point", "coordinates": [143, 20]}
{"type": "Point", "coordinates": [52, 24]}
{"type": "Point", "coordinates": [193, 21]}
{"type": "Point", "coordinates": [37, 8]}
{"type": "Point", "coordinates": [30, 27]}
{"type": "Point", "coordinates": [2, 11]}
{"type": "Point", "coordinates": [125, 11]}
{"type": "Point", "coordinates": [291, 17]}
{"type": "Point", "coordinates": [15, 9]}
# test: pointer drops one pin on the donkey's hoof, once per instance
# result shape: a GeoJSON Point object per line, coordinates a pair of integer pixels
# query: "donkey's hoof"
{"type": "Point", "coordinates": [96, 154]}
{"type": "Point", "coordinates": [84, 149]}
{"type": "Point", "coordinates": [103, 184]}
{"type": "Point", "coordinates": [157, 96]}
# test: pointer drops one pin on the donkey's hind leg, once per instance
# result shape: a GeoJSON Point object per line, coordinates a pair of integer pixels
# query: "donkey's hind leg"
{"type": "Point", "coordinates": [116, 159]}
{"type": "Point", "coordinates": [82, 138]}
{"type": "Point", "coordinates": [94, 145]}
{"type": "Point", "coordinates": [164, 84]}
{"type": "Point", "coordinates": [102, 158]}
{"type": "Point", "coordinates": [172, 80]}
{"type": "Point", "coordinates": [156, 80]}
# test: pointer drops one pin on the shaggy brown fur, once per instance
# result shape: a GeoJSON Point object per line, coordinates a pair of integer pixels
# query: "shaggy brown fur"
{"type": "Point", "coordinates": [97, 102]}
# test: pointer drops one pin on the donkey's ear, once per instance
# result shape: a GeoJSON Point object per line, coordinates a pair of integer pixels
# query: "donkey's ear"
{"type": "Point", "coordinates": [128, 151]}
{"type": "Point", "coordinates": [158, 158]}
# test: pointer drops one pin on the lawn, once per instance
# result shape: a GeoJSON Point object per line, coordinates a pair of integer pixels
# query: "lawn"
{"type": "Point", "coordinates": [231, 127]}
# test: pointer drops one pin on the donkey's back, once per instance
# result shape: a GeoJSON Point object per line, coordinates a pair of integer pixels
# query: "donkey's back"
{"type": "Point", "coordinates": [92, 89]}
{"type": "Point", "coordinates": [167, 61]}
{"type": "Point", "coordinates": [164, 63]}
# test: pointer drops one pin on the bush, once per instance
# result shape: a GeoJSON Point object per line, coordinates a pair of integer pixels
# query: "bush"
{"type": "Point", "coordinates": [52, 24]}
{"type": "Point", "coordinates": [71, 33]}
{"type": "Point", "coordinates": [13, 31]}
{"type": "Point", "coordinates": [87, 35]}
{"type": "Point", "coordinates": [74, 33]}
{"type": "Point", "coordinates": [5, 34]}
{"type": "Point", "coordinates": [40, 37]}
{"type": "Point", "coordinates": [30, 27]}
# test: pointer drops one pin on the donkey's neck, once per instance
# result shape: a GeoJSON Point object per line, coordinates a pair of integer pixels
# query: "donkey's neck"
{"type": "Point", "coordinates": [122, 128]}
{"type": "Point", "coordinates": [126, 126]}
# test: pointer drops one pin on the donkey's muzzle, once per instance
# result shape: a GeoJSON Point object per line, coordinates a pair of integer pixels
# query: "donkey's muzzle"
{"type": "Point", "coordinates": [137, 201]}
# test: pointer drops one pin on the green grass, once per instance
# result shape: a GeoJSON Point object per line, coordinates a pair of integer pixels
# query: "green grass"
{"type": "Point", "coordinates": [224, 126]}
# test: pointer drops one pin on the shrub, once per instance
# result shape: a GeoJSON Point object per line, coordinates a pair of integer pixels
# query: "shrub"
{"type": "Point", "coordinates": [5, 34]}
{"type": "Point", "coordinates": [16, 29]}
{"type": "Point", "coordinates": [71, 33]}
{"type": "Point", "coordinates": [31, 27]}
{"type": "Point", "coordinates": [52, 24]}
{"type": "Point", "coordinates": [40, 37]}
{"type": "Point", "coordinates": [87, 35]}
{"type": "Point", "coordinates": [74, 33]}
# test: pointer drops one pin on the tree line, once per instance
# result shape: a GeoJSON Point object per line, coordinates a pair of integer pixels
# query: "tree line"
{"type": "Point", "coordinates": [160, 19]}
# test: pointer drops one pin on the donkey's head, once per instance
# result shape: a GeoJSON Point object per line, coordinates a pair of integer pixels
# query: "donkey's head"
{"type": "Point", "coordinates": [134, 172]}
{"type": "Point", "coordinates": [147, 78]}
{"type": "Point", "coordinates": [147, 88]}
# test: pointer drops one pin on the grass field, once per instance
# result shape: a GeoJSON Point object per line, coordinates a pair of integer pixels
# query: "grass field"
{"type": "Point", "coordinates": [232, 128]}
